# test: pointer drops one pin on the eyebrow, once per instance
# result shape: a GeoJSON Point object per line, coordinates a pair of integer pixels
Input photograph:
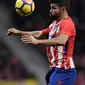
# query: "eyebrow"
{"type": "Point", "coordinates": [52, 6]}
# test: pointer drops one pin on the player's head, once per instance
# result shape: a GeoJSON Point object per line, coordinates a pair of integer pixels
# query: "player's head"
{"type": "Point", "coordinates": [57, 8]}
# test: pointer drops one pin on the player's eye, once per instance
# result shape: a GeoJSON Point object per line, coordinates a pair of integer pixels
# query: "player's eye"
{"type": "Point", "coordinates": [53, 7]}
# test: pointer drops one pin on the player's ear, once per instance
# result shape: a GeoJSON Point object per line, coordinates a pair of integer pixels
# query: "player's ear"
{"type": "Point", "coordinates": [63, 9]}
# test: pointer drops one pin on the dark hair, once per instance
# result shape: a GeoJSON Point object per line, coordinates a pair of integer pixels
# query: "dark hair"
{"type": "Point", "coordinates": [60, 3]}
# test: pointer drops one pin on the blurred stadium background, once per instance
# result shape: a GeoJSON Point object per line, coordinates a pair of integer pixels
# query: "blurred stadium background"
{"type": "Point", "coordinates": [27, 64]}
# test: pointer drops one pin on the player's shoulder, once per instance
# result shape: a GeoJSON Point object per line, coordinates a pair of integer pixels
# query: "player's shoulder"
{"type": "Point", "coordinates": [68, 21]}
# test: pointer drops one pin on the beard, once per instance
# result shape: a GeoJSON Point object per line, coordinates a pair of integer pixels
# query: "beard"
{"type": "Point", "coordinates": [54, 17]}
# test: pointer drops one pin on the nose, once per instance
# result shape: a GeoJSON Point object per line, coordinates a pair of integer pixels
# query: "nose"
{"type": "Point", "coordinates": [50, 11]}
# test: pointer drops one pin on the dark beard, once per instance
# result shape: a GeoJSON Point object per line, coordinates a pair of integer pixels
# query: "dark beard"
{"type": "Point", "coordinates": [53, 17]}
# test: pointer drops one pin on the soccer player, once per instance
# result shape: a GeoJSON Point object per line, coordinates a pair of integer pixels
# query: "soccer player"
{"type": "Point", "coordinates": [60, 44]}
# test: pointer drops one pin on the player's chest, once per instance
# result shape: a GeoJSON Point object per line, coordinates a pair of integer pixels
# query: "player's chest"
{"type": "Point", "coordinates": [54, 30]}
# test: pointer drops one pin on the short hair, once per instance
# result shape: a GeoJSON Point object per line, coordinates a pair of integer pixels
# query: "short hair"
{"type": "Point", "coordinates": [60, 3]}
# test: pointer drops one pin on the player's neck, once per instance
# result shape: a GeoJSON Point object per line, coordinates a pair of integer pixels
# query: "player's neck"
{"type": "Point", "coordinates": [63, 16]}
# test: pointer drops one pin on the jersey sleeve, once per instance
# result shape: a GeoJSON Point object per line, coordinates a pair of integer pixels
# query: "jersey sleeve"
{"type": "Point", "coordinates": [66, 28]}
{"type": "Point", "coordinates": [45, 31]}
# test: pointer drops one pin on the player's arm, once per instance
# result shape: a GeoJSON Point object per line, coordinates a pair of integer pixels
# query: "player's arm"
{"type": "Point", "coordinates": [60, 40]}
{"type": "Point", "coordinates": [36, 34]}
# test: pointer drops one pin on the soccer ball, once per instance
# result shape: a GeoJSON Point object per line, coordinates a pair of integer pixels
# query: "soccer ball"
{"type": "Point", "coordinates": [24, 7]}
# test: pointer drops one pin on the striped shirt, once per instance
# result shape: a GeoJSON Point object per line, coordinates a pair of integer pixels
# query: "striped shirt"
{"type": "Point", "coordinates": [61, 56]}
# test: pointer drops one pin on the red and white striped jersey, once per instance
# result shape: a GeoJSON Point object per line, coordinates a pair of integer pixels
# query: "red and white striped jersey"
{"type": "Point", "coordinates": [61, 56]}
